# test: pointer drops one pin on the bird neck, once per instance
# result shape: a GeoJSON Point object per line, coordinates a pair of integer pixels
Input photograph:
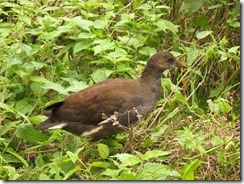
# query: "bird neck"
{"type": "Point", "coordinates": [151, 74]}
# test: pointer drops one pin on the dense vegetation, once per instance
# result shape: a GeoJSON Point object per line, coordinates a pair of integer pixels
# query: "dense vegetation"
{"type": "Point", "coordinates": [51, 48]}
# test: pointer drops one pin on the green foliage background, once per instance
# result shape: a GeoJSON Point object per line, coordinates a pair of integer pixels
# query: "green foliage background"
{"type": "Point", "coordinates": [51, 48]}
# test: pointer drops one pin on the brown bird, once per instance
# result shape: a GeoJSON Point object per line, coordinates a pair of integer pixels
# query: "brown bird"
{"type": "Point", "coordinates": [104, 108]}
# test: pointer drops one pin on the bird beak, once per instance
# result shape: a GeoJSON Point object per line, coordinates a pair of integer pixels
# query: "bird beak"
{"type": "Point", "coordinates": [180, 64]}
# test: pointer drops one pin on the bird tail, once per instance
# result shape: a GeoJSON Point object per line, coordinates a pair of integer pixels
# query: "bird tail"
{"type": "Point", "coordinates": [50, 124]}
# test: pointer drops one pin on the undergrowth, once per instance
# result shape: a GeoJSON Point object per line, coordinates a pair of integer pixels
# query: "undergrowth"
{"type": "Point", "coordinates": [50, 49]}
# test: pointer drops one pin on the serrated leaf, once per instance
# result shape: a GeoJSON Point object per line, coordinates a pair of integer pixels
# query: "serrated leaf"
{"type": "Point", "coordinates": [103, 150]}
{"type": "Point", "coordinates": [187, 172]}
{"type": "Point", "coordinates": [166, 25]}
{"type": "Point", "coordinates": [27, 132]}
{"type": "Point", "coordinates": [100, 164]}
{"type": "Point", "coordinates": [56, 87]}
{"type": "Point", "coordinates": [127, 159]}
{"type": "Point", "coordinates": [80, 46]}
{"type": "Point", "coordinates": [23, 107]}
{"type": "Point", "coordinates": [155, 171]}
{"type": "Point", "coordinates": [154, 154]}
{"type": "Point", "coordinates": [111, 172]}
{"type": "Point", "coordinates": [216, 140]}
{"type": "Point", "coordinates": [85, 35]}
{"type": "Point", "coordinates": [38, 79]}
{"type": "Point", "coordinates": [203, 34]}
{"type": "Point", "coordinates": [101, 74]}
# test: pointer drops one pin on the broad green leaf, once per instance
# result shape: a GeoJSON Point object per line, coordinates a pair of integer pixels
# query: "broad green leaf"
{"type": "Point", "coordinates": [164, 25]}
{"type": "Point", "coordinates": [155, 171]}
{"type": "Point", "coordinates": [56, 87]}
{"type": "Point", "coordinates": [187, 172]}
{"type": "Point", "coordinates": [82, 23]}
{"type": "Point", "coordinates": [216, 140]}
{"type": "Point", "coordinates": [23, 106]}
{"type": "Point", "coordinates": [137, 3]}
{"type": "Point", "coordinates": [100, 24]}
{"type": "Point", "coordinates": [27, 132]}
{"type": "Point", "coordinates": [85, 35]}
{"type": "Point", "coordinates": [179, 97]}
{"type": "Point", "coordinates": [192, 54]}
{"type": "Point", "coordinates": [203, 22]}
{"type": "Point", "coordinates": [36, 78]}
{"type": "Point", "coordinates": [154, 154]}
{"type": "Point", "coordinates": [191, 6]}
{"type": "Point", "coordinates": [234, 49]}
{"type": "Point", "coordinates": [103, 150]}
{"type": "Point", "coordinates": [101, 164]}
{"type": "Point", "coordinates": [103, 45]}
{"type": "Point", "coordinates": [127, 159]}
{"type": "Point", "coordinates": [101, 74]}
{"type": "Point", "coordinates": [203, 34]}
{"type": "Point", "coordinates": [148, 51]}
{"type": "Point", "coordinates": [81, 46]}
{"type": "Point", "coordinates": [71, 172]}
{"type": "Point", "coordinates": [27, 49]}
{"type": "Point", "coordinates": [111, 172]}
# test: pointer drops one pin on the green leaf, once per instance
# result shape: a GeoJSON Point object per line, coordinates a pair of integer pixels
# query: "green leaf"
{"type": "Point", "coordinates": [82, 23]}
{"type": "Point", "coordinates": [164, 25]}
{"type": "Point", "coordinates": [192, 54]}
{"type": "Point", "coordinates": [203, 22]}
{"type": "Point", "coordinates": [137, 3]}
{"type": "Point", "coordinates": [23, 106]}
{"type": "Point", "coordinates": [187, 172]}
{"type": "Point", "coordinates": [100, 24]}
{"type": "Point", "coordinates": [81, 46]}
{"type": "Point", "coordinates": [222, 156]}
{"type": "Point", "coordinates": [148, 51]}
{"type": "Point", "coordinates": [103, 150]}
{"type": "Point", "coordinates": [103, 45]}
{"type": "Point", "coordinates": [180, 98]}
{"type": "Point", "coordinates": [6, 127]}
{"type": "Point", "coordinates": [101, 74]}
{"type": "Point", "coordinates": [158, 132]}
{"type": "Point", "coordinates": [214, 6]}
{"type": "Point", "coordinates": [12, 152]}
{"type": "Point", "coordinates": [100, 164]}
{"type": "Point", "coordinates": [72, 156]}
{"type": "Point", "coordinates": [55, 87]}
{"type": "Point", "coordinates": [216, 140]}
{"type": "Point", "coordinates": [38, 79]}
{"type": "Point", "coordinates": [86, 35]}
{"type": "Point", "coordinates": [127, 159]}
{"type": "Point", "coordinates": [111, 172]}
{"type": "Point", "coordinates": [27, 132]}
{"type": "Point", "coordinates": [155, 171]}
{"type": "Point", "coordinates": [154, 154]}
{"type": "Point", "coordinates": [203, 34]}
{"type": "Point", "coordinates": [71, 172]}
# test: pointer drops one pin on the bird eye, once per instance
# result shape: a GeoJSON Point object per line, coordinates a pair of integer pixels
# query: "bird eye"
{"type": "Point", "coordinates": [170, 59]}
